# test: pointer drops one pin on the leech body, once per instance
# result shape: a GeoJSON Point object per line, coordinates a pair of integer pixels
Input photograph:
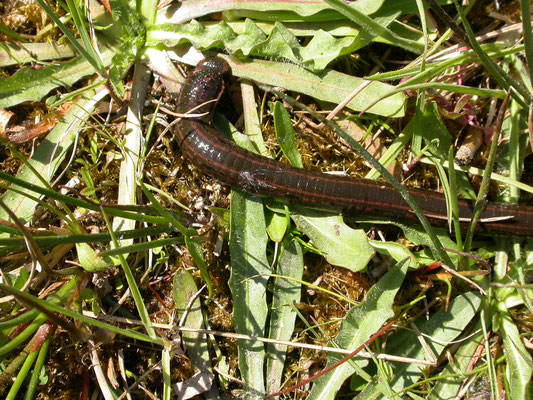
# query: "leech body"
{"type": "Point", "coordinates": [221, 159]}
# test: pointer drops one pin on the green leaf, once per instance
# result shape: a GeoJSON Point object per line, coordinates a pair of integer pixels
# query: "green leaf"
{"type": "Point", "coordinates": [125, 12]}
{"type": "Point", "coordinates": [247, 245]}
{"type": "Point", "coordinates": [195, 248]}
{"type": "Point", "coordinates": [23, 53]}
{"type": "Point", "coordinates": [280, 43]}
{"type": "Point", "coordinates": [359, 325]}
{"type": "Point", "coordinates": [32, 85]}
{"type": "Point", "coordinates": [92, 261]}
{"type": "Point", "coordinates": [328, 85]}
{"type": "Point", "coordinates": [286, 293]}
{"type": "Point", "coordinates": [196, 345]}
{"type": "Point", "coordinates": [519, 365]}
{"type": "Point", "coordinates": [372, 26]}
{"type": "Point", "coordinates": [285, 135]}
{"type": "Point", "coordinates": [405, 6]}
{"type": "Point", "coordinates": [439, 331]}
{"type": "Point", "coordinates": [431, 129]}
{"type": "Point", "coordinates": [448, 387]}
{"type": "Point", "coordinates": [262, 9]}
{"type": "Point", "coordinates": [396, 251]}
{"type": "Point", "coordinates": [277, 225]}
{"type": "Point", "coordinates": [340, 244]}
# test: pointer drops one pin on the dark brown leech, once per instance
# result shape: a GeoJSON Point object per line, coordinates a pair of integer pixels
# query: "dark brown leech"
{"type": "Point", "coordinates": [218, 157]}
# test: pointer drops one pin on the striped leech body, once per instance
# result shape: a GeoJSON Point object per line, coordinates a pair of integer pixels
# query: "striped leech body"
{"type": "Point", "coordinates": [218, 157]}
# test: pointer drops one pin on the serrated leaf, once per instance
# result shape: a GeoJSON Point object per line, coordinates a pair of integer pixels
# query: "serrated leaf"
{"type": "Point", "coordinates": [280, 44]}
{"type": "Point", "coordinates": [125, 12]}
{"type": "Point", "coordinates": [338, 243]}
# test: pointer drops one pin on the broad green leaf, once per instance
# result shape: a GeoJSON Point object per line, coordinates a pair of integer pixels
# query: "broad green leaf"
{"type": "Point", "coordinates": [277, 225]}
{"type": "Point", "coordinates": [247, 245]}
{"type": "Point", "coordinates": [405, 6]}
{"type": "Point", "coordinates": [416, 234]}
{"type": "Point", "coordinates": [519, 367]}
{"type": "Point", "coordinates": [360, 324]}
{"type": "Point", "coordinates": [286, 293]}
{"type": "Point", "coordinates": [195, 343]}
{"type": "Point", "coordinates": [372, 26]}
{"type": "Point", "coordinates": [328, 85]}
{"type": "Point", "coordinates": [338, 243]}
{"type": "Point", "coordinates": [448, 387]}
{"type": "Point", "coordinates": [263, 9]}
{"type": "Point", "coordinates": [439, 331]}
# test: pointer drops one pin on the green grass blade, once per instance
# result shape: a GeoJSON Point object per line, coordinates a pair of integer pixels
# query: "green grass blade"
{"type": "Point", "coordinates": [89, 55]}
{"type": "Point", "coordinates": [79, 317]}
{"type": "Point", "coordinates": [503, 78]}
{"type": "Point", "coordinates": [369, 25]}
{"type": "Point", "coordinates": [36, 373]}
{"type": "Point", "coordinates": [132, 284]}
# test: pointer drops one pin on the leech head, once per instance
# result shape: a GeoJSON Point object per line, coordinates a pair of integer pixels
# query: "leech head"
{"type": "Point", "coordinates": [218, 65]}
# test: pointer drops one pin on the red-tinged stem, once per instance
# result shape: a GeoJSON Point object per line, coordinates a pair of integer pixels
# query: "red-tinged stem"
{"type": "Point", "coordinates": [326, 370]}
